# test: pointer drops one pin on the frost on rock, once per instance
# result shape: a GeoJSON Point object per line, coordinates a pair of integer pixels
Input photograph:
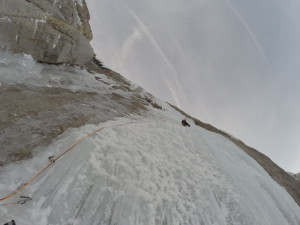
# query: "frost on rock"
{"type": "Point", "coordinates": [40, 101]}
{"type": "Point", "coordinates": [79, 2]}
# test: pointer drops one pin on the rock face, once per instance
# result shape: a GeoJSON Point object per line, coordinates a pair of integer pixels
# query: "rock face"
{"type": "Point", "coordinates": [51, 31]}
{"type": "Point", "coordinates": [53, 99]}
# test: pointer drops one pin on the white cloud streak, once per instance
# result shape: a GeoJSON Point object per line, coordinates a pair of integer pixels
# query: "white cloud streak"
{"type": "Point", "coordinates": [243, 22]}
{"type": "Point", "coordinates": [171, 73]}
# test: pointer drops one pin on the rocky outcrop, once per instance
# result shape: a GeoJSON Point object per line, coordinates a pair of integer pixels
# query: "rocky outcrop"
{"type": "Point", "coordinates": [33, 115]}
{"type": "Point", "coordinates": [51, 31]}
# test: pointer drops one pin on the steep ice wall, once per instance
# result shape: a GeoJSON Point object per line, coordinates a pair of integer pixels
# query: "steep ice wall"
{"type": "Point", "coordinates": [152, 172]}
{"type": "Point", "coordinates": [51, 31]}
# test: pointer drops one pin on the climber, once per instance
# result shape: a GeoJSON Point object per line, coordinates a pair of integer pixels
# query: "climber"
{"type": "Point", "coordinates": [185, 123]}
{"type": "Point", "coordinates": [10, 223]}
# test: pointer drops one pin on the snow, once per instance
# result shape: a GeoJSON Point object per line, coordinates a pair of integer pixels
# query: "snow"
{"type": "Point", "coordinates": [5, 18]}
{"type": "Point", "coordinates": [22, 69]}
{"type": "Point", "coordinates": [56, 41]}
{"type": "Point", "coordinates": [36, 24]}
{"type": "Point", "coordinates": [78, 20]}
{"type": "Point", "coordinates": [79, 2]}
{"type": "Point", "coordinates": [153, 172]}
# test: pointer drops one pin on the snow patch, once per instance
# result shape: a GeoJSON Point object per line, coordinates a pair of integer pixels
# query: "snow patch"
{"type": "Point", "coordinates": [78, 19]}
{"type": "Point", "coordinates": [5, 18]}
{"type": "Point", "coordinates": [56, 41]}
{"type": "Point", "coordinates": [22, 68]}
{"type": "Point", "coordinates": [80, 2]}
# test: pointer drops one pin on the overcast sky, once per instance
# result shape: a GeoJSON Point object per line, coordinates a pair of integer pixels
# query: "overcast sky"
{"type": "Point", "coordinates": [232, 63]}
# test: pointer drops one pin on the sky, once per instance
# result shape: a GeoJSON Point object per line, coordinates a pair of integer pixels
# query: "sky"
{"type": "Point", "coordinates": [231, 63]}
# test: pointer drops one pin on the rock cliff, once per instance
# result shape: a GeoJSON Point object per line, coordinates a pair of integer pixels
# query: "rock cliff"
{"type": "Point", "coordinates": [51, 31]}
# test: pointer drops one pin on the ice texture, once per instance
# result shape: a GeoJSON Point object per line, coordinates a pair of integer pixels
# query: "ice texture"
{"type": "Point", "coordinates": [153, 172]}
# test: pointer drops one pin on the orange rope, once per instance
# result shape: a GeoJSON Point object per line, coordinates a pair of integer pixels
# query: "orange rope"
{"type": "Point", "coordinates": [59, 156]}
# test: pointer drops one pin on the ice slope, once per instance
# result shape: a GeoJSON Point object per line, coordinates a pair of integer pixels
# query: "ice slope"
{"type": "Point", "coordinates": [153, 172]}
{"type": "Point", "coordinates": [212, 58]}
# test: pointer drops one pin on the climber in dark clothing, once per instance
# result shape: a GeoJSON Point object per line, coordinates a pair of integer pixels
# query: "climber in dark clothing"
{"type": "Point", "coordinates": [10, 223]}
{"type": "Point", "coordinates": [185, 123]}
